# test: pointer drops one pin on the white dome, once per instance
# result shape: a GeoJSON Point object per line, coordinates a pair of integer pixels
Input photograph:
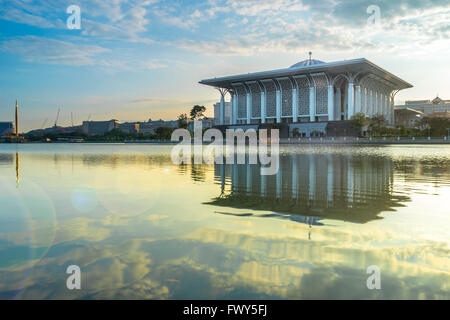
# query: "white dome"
{"type": "Point", "coordinates": [305, 63]}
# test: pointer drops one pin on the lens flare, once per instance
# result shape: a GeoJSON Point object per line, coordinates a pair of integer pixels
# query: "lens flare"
{"type": "Point", "coordinates": [27, 231]}
{"type": "Point", "coordinates": [84, 199]}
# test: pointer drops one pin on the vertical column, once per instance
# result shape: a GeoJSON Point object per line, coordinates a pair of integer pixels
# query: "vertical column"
{"type": "Point", "coordinates": [388, 110]}
{"type": "Point", "coordinates": [235, 107]}
{"type": "Point", "coordinates": [294, 105]}
{"type": "Point", "coordinates": [364, 101]}
{"type": "Point", "coordinates": [345, 106]}
{"type": "Point", "coordinates": [338, 104]}
{"type": "Point", "coordinates": [379, 99]}
{"type": "Point", "coordinates": [278, 106]}
{"type": "Point", "coordinates": [330, 103]}
{"type": "Point", "coordinates": [382, 103]}
{"type": "Point", "coordinates": [391, 106]}
{"type": "Point", "coordinates": [249, 108]}
{"type": "Point", "coordinates": [357, 98]}
{"type": "Point", "coordinates": [375, 102]}
{"type": "Point", "coordinates": [350, 99]}
{"type": "Point", "coordinates": [222, 110]}
{"type": "Point", "coordinates": [231, 108]}
{"type": "Point", "coordinates": [263, 107]}
{"type": "Point", "coordinates": [312, 104]}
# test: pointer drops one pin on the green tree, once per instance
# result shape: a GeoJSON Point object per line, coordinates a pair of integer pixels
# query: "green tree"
{"type": "Point", "coordinates": [358, 121]}
{"type": "Point", "coordinates": [296, 133]}
{"type": "Point", "coordinates": [182, 121]}
{"type": "Point", "coordinates": [377, 123]}
{"type": "Point", "coordinates": [197, 112]}
{"type": "Point", "coordinates": [163, 133]}
{"type": "Point", "coordinates": [438, 126]}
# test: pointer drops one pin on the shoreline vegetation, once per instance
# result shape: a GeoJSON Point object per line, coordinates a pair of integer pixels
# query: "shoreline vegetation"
{"type": "Point", "coordinates": [116, 136]}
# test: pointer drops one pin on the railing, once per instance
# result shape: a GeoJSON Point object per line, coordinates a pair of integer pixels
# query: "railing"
{"type": "Point", "coordinates": [369, 140]}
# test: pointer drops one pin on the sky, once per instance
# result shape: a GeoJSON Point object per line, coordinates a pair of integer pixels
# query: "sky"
{"type": "Point", "coordinates": [139, 59]}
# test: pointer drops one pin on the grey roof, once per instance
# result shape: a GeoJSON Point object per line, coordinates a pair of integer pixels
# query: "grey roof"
{"type": "Point", "coordinates": [400, 109]}
{"type": "Point", "coordinates": [361, 66]}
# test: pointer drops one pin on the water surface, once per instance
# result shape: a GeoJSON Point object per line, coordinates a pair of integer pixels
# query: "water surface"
{"type": "Point", "coordinates": [141, 227]}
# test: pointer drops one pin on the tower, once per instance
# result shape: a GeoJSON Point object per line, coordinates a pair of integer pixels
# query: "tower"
{"type": "Point", "coordinates": [17, 119]}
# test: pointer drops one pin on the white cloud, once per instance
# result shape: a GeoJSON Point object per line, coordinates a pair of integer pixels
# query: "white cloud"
{"type": "Point", "coordinates": [35, 49]}
{"type": "Point", "coordinates": [49, 51]}
{"type": "Point", "coordinates": [292, 26]}
{"type": "Point", "coordinates": [121, 19]}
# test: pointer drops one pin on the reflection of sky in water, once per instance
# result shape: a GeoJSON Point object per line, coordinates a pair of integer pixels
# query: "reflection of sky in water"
{"type": "Point", "coordinates": [140, 227]}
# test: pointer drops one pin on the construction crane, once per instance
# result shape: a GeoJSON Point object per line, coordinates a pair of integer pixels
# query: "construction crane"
{"type": "Point", "coordinates": [71, 118]}
{"type": "Point", "coordinates": [89, 118]}
{"type": "Point", "coordinates": [57, 118]}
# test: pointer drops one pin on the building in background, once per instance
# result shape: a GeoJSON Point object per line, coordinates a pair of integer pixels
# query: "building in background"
{"type": "Point", "coordinates": [129, 127]}
{"type": "Point", "coordinates": [6, 129]}
{"type": "Point", "coordinates": [427, 107]}
{"type": "Point", "coordinates": [99, 127]}
{"type": "Point", "coordinates": [407, 117]}
{"type": "Point", "coordinates": [310, 96]}
{"type": "Point", "coordinates": [443, 114]}
{"type": "Point", "coordinates": [150, 127]}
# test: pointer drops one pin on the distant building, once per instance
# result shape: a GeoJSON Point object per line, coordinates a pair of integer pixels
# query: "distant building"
{"type": "Point", "coordinates": [407, 117]}
{"type": "Point", "coordinates": [442, 114]}
{"type": "Point", "coordinates": [131, 128]}
{"type": "Point", "coordinates": [6, 128]}
{"type": "Point", "coordinates": [99, 127]}
{"type": "Point", "coordinates": [428, 107]}
{"type": "Point", "coordinates": [150, 127]}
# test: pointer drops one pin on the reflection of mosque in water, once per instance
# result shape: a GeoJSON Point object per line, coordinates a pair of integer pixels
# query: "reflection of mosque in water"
{"type": "Point", "coordinates": [311, 187]}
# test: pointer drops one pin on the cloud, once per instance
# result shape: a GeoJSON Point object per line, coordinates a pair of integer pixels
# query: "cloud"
{"type": "Point", "coordinates": [50, 51]}
{"type": "Point", "coordinates": [116, 19]}
{"type": "Point", "coordinates": [265, 7]}
{"type": "Point", "coordinates": [40, 50]}
{"type": "Point", "coordinates": [275, 26]}
{"type": "Point", "coordinates": [245, 28]}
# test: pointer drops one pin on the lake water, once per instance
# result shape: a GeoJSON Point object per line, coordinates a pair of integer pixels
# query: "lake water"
{"type": "Point", "coordinates": [140, 227]}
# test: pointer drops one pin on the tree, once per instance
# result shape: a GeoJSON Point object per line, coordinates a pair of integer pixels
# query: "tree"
{"type": "Point", "coordinates": [197, 112]}
{"type": "Point", "coordinates": [438, 126]}
{"type": "Point", "coordinates": [296, 133]}
{"type": "Point", "coordinates": [377, 123]}
{"type": "Point", "coordinates": [182, 121]}
{"type": "Point", "coordinates": [163, 133]}
{"type": "Point", "coordinates": [358, 121]}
